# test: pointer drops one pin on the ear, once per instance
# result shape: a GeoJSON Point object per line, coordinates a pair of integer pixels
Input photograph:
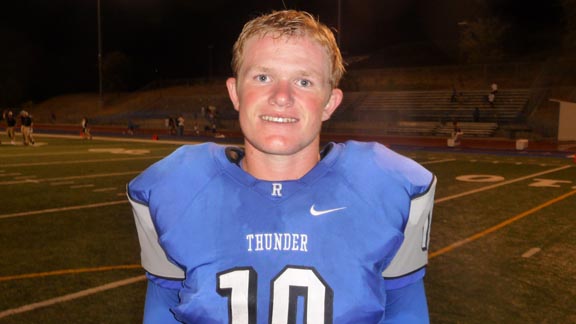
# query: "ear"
{"type": "Point", "coordinates": [333, 103]}
{"type": "Point", "coordinates": [232, 93]}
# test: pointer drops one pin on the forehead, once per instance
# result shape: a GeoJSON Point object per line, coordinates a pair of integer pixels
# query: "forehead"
{"type": "Point", "coordinates": [290, 50]}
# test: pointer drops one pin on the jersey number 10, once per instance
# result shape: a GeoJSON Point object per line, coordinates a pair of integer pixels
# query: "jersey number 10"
{"type": "Point", "coordinates": [240, 286]}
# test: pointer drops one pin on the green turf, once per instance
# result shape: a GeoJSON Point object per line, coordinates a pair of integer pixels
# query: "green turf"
{"type": "Point", "coordinates": [486, 280]}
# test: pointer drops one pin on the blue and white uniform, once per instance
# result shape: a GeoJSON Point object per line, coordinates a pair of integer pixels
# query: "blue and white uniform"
{"type": "Point", "coordinates": [343, 244]}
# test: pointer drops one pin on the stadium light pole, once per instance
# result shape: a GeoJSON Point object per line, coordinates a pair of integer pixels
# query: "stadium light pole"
{"type": "Point", "coordinates": [100, 99]}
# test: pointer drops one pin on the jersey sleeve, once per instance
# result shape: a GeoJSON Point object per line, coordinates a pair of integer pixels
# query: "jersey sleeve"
{"type": "Point", "coordinates": [407, 304]}
{"type": "Point", "coordinates": [413, 253]}
{"type": "Point", "coordinates": [159, 301]}
{"type": "Point", "coordinates": [153, 257]}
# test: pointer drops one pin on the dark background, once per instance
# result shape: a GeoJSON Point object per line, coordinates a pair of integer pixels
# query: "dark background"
{"type": "Point", "coordinates": [50, 47]}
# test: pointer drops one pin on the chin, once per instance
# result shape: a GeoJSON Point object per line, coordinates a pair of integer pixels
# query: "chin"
{"type": "Point", "coordinates": [275, 146]}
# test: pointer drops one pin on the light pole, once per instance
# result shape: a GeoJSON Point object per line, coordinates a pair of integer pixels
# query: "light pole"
{"type": "Point", "coordinates": [100, 99]}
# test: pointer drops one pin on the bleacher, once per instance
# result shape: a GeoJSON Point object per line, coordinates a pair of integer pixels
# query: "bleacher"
{"type": "Point", "coordinates": [428, 113]}
{"type": "Point", "coordinates": [439, 106]}
{"type": "Point", "coordinates": [395, 113]}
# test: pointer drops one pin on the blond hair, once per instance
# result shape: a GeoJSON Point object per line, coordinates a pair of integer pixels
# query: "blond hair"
{"type": "Point", "coordinates": [291, 23]}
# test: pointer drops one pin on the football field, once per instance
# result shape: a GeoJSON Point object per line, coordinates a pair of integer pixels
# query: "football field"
{"type": "Point", "coordinates": [503, 240]}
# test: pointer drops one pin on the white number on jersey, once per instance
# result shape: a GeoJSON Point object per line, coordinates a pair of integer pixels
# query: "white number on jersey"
{"type": "Point", "coordinates": [239, 285]}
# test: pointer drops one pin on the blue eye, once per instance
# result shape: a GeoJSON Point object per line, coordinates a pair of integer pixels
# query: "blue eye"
{"type": "Point", "coordinates": [305, 83]}
{"type": "Point", "coordinates": [262, 77]}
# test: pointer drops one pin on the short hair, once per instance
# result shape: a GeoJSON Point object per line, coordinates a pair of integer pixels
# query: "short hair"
{"type": "Point", "coordinates": [291, 23]}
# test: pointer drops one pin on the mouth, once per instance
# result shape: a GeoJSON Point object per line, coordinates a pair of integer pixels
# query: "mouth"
{"type": "Point", "coordinates": [279, 120]}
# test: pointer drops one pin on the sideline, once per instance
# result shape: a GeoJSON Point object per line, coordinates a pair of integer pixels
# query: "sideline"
{"type": "Point", "coordinates": [499, 226]}
{"type": "Point", "coordinates": [111, 138]}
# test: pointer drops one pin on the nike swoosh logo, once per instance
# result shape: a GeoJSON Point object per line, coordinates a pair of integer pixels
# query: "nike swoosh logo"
{"type": "Point", "coordinates": [315, 212]}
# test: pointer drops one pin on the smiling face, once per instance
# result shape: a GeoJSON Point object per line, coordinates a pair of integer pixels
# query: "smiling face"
{"type": "Point", "coordinates": [283, 94]}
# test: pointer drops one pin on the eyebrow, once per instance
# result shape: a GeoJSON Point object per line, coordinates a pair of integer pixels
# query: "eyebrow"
{"type": "Point", "coordinates": [264, 69]}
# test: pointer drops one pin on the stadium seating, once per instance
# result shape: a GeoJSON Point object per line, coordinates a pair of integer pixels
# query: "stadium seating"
{"type": "Point", "coordinates": [427, 112]}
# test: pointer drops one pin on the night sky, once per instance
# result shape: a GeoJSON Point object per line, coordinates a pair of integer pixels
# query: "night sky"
{"type": "Point", "coordinates": [50, 46]}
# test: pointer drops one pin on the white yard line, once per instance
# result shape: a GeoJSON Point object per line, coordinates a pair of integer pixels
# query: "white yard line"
{"type": "Point", "coordinates": [15, 165]}
{"type": "Point", "coordinates": [104, 189]}
{"type": "Point", "coordinates": [82, 186]}
{"type": "Point", "coordinates": [72, 296]}
{"type": "Point", "coordinates": [10, 174]}
{"type": "Point", "coordinates": [61, 183]}
{"type": "Point", "coordinates": [61, 209]}
{"type": "Point", "coordinates": [496, 185]}
{"type": "Point", "coordinates": [437, 161]}
{"type": "Point", "coordinates": [88, 176]}
{"type": "Point", "coordinates": [51, 154]}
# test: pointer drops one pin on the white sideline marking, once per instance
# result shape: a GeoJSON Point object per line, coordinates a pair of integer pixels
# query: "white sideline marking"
{"type": "Point", "coordinates": [531, 252]}
{"type": "Point", "coordinates": [72, 177]}
{"type": "Point", "coordinates": [438, 161]}
{"type": "Point", "coordinates": [462, 194]}
{"type": "Point", "coordinates": [69, 297]}
{"type": "Point", "coordinates": [55, 210]}
{"type": "Point", "coordinates": [104, 189]}
{"type": "Point", "coordinates": [2, 174]}
{"type": "Point", "coordinates": [82, 186]}
{"type": "Point", "coordinates": [84, 161]}
{"type": "Point", "coordinates": [25, 177]}
{"type": "Point", "coordinates": [61, 183]}
{"type": "Point", "coordinates": [48, 154]}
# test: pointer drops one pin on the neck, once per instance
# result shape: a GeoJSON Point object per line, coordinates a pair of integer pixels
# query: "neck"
{"type": "Point", "coordinates": [272, 167]}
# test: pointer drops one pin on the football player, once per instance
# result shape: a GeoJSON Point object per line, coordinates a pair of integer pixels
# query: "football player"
{"type": "Point", "coordinates": [283, 231]}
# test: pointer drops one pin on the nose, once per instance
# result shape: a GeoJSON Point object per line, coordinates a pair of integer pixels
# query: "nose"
{"type": "Point", "coordinates": [282, 95]}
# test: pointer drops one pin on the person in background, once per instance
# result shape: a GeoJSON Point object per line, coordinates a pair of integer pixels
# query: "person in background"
{"type": "Point", "coordinates": [492, 94]}
{"type": "Point", "coordinates": [85, 129]}
{"type": "Point", "coordinates": [26, 127]}
{"type": "Point", "coordinates": [10, 124]}
{"type": "Point", "coordinates": [283, 229]}
{"type": "Point", "coordinates": [180, 122]}
{"type": "Point", "coordinates": [457, 133]}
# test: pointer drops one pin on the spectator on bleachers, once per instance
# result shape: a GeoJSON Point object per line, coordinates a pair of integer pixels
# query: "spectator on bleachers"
{"type": "Point", "coordinates": [180, 123]}
{"type": "Point", "coordinates": [457, 134]}
{"type": "Point", "coordinates": [494, 88]}
{"type": "Point", "coordinates": [196, 128]}
{"type": "Point", "coordinates": [476, 114]}
{"type": "Point", "coordinates": [130, 128]}
{"type": "Point", "coordinates": [171, 124]}
{"type": "Point", "coordinates": [492, 94]}
{"type": "Point", "coordinates": [454, 96]}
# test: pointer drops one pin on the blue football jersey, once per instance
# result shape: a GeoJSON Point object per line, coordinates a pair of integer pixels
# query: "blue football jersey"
{"type": "Point", "coordinates": [320, 249]}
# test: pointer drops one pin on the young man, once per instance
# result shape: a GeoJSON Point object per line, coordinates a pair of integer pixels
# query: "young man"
{"type": "Point", "coordinates": [283, 231]}
{"type": "Point", "coordinates": [10, 125]}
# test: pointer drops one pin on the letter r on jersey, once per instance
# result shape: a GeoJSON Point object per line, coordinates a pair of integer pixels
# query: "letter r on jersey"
{"type": "Point", "coordinates": [277, 190]}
